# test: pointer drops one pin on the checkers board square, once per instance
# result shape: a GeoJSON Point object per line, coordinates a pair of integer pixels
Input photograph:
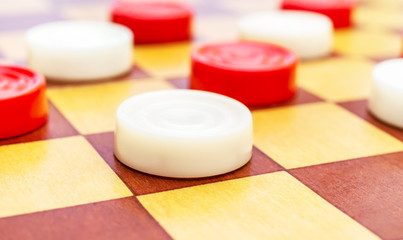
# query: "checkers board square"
{"type": "Point", "coordinates": [384, 4]}
{"type": "Point", "coordinates": [367, 43]}
{"type": "Point", "coordinates": [360, 109]}
{"type": "Point", "coordinates": [324, 78]}
{"type": "Point", "coordinates": [46, 175]}
{"type": "Point", "coordinates": [367, 189]}
{"type": "Point", "coordinates": [121, 219]}
{"type": "Point", "coordinates": [317, 133]}
{"type": "Point", "coordinates": [378, 18]}
{"type": "Point", "coordinates": [92, 108]}
{"type": "Point", "coordinates": [268, 206]}
{"type": "Point", "coordinates": [167, 60]}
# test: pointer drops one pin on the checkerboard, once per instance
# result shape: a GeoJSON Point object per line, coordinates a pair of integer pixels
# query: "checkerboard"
{"type": "Point", "coordinates": [322, 168]}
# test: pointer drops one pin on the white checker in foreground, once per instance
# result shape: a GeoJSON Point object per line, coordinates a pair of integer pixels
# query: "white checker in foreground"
{"type": "Point", "coordinates": [386, 100]}
{"type": "Point", "coordinates": [183, 133]}
{"type": "Point", "coordinates": [309, 35]}
{"type": "Point", "coordinates": [80, 50]}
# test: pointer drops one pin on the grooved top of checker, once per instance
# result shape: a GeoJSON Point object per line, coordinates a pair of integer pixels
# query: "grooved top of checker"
{"type": "Point", "coordinates": [244, 56]}
{"type": "Point", "coordinates": [16, 82]}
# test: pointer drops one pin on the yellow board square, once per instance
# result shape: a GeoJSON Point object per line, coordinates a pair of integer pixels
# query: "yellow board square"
{"type": "Point", "coordinates": [46, 175]}
{"type": "Point", "coordinates": [376, 44]}
{"type": "Point", "coordinates": [337, 79]}
{"type": "Point", "coordinates": [378, 18]}
{"type": "Point", "coordinates": [166, 60]}
{"type": "Point", "coordinates": [92, 108]}
{"type": "Point", "coordinates": [270, 206]}
{"type": "Point", "coordinates": [383, 4]}
{"type": "Point", "coordinates": [316, 133]}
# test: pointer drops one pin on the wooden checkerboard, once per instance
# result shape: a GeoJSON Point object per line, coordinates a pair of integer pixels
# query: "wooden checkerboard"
{"type": "Point", "coordinates": [322, 166]}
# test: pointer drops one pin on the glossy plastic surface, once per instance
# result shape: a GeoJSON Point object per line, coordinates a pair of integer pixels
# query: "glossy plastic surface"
{"type": "Point", "coordinates": [339, 11]}
{"type": "Point", "coordinates": [154, 22]}
{"type": "Point", "coordinates": [23, 103]}
{"type": "Point", "coordinates": [252, 73]}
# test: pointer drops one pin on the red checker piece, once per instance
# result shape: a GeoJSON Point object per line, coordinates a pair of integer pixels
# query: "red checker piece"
{"type": "Point", "coordinates": [339, 11]}
{"type": "Point", "coordinates": [23, 103]}
{"type": "Point", "coordinates": [154, 22]}
{"type": "Point", "coordinates": [252, 73]}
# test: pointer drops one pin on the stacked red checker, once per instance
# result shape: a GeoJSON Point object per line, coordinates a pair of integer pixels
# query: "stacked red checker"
{"type": "Point", "coordinates": [255, 74]}
{"type": "Point", "coordinates": [339, 11]}
{"type": "Point", "coordinates": [23, 103]}
{"type": "Point", "coordinates": [154, 22]}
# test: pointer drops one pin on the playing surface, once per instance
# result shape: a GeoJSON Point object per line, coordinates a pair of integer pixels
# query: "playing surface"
{"type": "Point", "coordinates": [322, 166]}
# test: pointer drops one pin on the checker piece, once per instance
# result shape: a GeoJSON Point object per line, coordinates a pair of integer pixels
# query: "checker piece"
{"type": "Point", "coordinates": [386, 100]}
{"type": "Point", "coordinates": [154, 22]}
{"type": "Point", "coordinates": [183, 133]}
{"type": "Point", "coordinates": [339, 11]}
{"type": "Point", "coordinates": [308, 34]}
{"type": "Point", "coordinates": [80, 50]}
{"type": "Point", "coordinates": [252, 73]}
{"type": "Point", "coordinates": [23, 101]}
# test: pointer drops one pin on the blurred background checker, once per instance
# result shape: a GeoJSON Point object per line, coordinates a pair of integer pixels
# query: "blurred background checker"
{"type": "Point", "coordinates": [80, 50]}
{"type": "Point", "coordinates": [339, 11]}
{"type": "Point", "coordinates": [183, 133]}
{"type": "Point", "coordinates": [23, 103]}
{"type": "Point", "coordinates": [386, 100]}
{"type": "Point", "coordinates": [309, 35]}
{"type": "Point", "coordinates": [252, 73]}
{"type": "Point", "coordinates": [154, 22]}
